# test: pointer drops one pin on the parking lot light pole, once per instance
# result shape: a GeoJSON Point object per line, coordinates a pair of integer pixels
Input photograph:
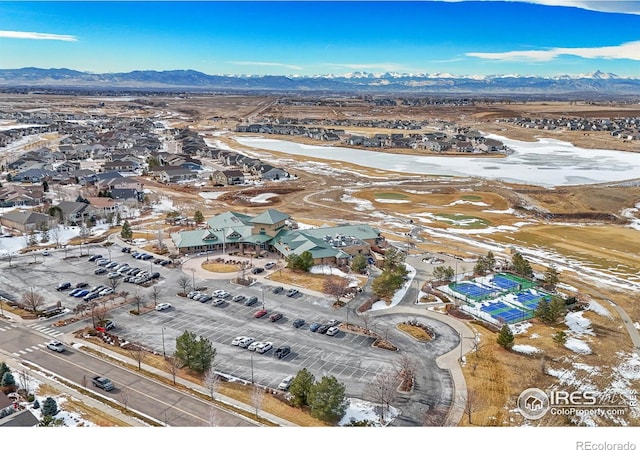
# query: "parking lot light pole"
{"type": "Point", "coordinates": [164, 354]}
{"type": "Point", "coordinates": [251, 356]}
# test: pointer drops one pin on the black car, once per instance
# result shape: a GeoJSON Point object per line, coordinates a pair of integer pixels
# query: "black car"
{"type": "Point", "coordinates": [239, 298]}
{"type": "Point", "coordinates": [277, 289]}
{"type": "Point", "coordinates": [281, 352]}
{"type": "Point", "coordinates": [165, 262]}
{"type": "Point", "coordinates": [257, 270]}
{"type": "Point", "coordinates": [63, 286]}
{"type": "Point", "coordinates": [298, 323]}
{"type": "Point", "coordinates": [94, 257]}
{"type": "Point", "coordinates": [100, 270]}
{"type": "Point", "coordinates": [126, 249]}
{"type": "Point", "coordinates": [322, 329]}
{"type": "Point", "coordinates": [157, 260]}
{"type": "Point", "coordinates": [251, 301]}
{"type": "Point", "coordinates": [154, 275]}
{"type": "Point", "coordinates": [82, 285]}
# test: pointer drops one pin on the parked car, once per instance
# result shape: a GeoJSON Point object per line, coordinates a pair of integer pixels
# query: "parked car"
{"type": "Point", "coordinates": [244, 343]}
{"type": "Point", "coordinates": [135, 271]}
{"type": "Point", "coordinates": [322, 329]}
{"type": "Point", "coordinates": [332, 331]}
{"type": "Point", "coordinates": [81, 293]}
{"type": "Point", "coordinates": [192, 294]}
{"type": "Point", "coordinates": [93, 258]}
{"type": "Point", "coordinates": [257, 270]}
{"type": "Point", "coordinates": [102, 262]}
{"type": "Point", "coordinates": [205, 298]}
{"type": "Point", "coordinates": [110, 324]}
{"type": "Point", "coordinates": [238, 340]}
{"type": "Point", "coordinates": [292, 292]}
{"type": "Point", "coordinates": [254, 345]}
{"type": "Point", "coordinates": [111, 265]}
{"type": "Point", "coordinates": [269, 266]}
{"type": "Point", "coordinates": [238, 298]}
{"type": "Point", "coordinates": [275, 317]}
{"type": "Point", "coordinates": [264, 347]}
{"type": "Point", "coordinates": [91, 296]}
{"type": "Point", "coordinates": [63, 286]}
{"type": "Point", "coordinates": [333, 323]}
{"type": "Point", "coordinates": [163, 306]}
{"type": "Point", "coordinates": [298, 323]}
{"type": "Point", "coordinates": [97, 288]}
{"type": "Point", "coordinates": [126, 250]}
{"type": "Point", "coordinates": [277, 289]}
{"type": "Point", "coordinates": [56, 346]}
{"type": "Point", "coordinates": [45, 253]}
{"type": "Point", "coordinates": [165, 262]}
{"type": "Point", "coordinates": [285, 383]}
{"type": "Point", "coordinates": [224, 294]}
{"type": "Point", "coordinates": [218, 302]}
{"type": "Point", "coordinates": [106, 291]}
{"type": "Point", "coordinates": [281, 352]}
{"type": "Point", "coordinates": [251, 301]}
{"type": "Point", "coordinates": [260, 313]}
{"type": "Point", "coordinates": [74, 292]}
{"type": "Point", "coordinates": [113, 275]}
{"type": "Point", "coordinates": [314, 326]}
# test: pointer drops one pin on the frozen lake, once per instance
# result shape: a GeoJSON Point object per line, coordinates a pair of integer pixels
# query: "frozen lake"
{"type": "Point", "coordinates": [547, 162]}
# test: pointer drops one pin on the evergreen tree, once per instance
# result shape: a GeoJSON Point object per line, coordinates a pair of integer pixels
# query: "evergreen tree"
{"type": "Point", "coordinates": [45, 186]}
{"type": "Point", "coordinates": [7, 380]}
{"type": "Point", "coordinates": [557, 308]}
{"type": "Point", "coordinates": [301, 387]}
{"type": "Point", "coordinates": [204, 353]}
{"type": "Point", "coordinates": [36, 404]}
{"type": "Point", "coordinates": [198, 217]}
{"type": "Point", "coordinates": [505, 337]}
{"type": "Point", "coordinates": [186, 347]}
{"type": "Point", "coordinates": [386, 284]}
{"type": "Point", "coordinates": [359, 263]}
{"type": "Point", "coordinates": [521, 265]}
{"type": "Point", "coordinates": [126, 232]}
{"type": "Point", "coordinates": [551, 277]}
{"type": "Point", "coordinates": [543, 311]}
{"type": "Point", "coordinates": [118, 219]}
{"type": "Point", "coordinates": [3, 369]}
{"type": "Point", "coordinates": [49, 407]}
{"type": "Point", "coordinates": [482, 266]}
{"type": "Point", "coordinates": [560, 337]}
{"type": "Point", "coordinates": [394, 260]}
{"type": "Point", "coordinates": [49, 421]}
{"type": "Point", "coordinates": [444, 273]}
{"type": "Point", "coordinates": [327, 400]}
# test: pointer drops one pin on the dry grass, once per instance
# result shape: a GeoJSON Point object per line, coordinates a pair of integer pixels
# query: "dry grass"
{"type": "Point", "coordinates": [220, 268]}
{"type": "Point", "coordinates": [313, 281]}
{"type": "Point", "coordinates": [415, 332]}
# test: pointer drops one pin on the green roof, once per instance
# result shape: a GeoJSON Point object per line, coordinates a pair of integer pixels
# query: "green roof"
{"type": "Point", "coordinates": [270, 217]}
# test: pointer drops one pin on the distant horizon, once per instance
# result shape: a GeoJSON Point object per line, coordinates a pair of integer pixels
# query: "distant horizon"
{"type": "Point", "coordinates": [344, 74]}
{"type": "Point", "coordinates": [543, 38]}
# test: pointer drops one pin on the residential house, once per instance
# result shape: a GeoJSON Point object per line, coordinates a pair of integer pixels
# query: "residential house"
{"type": "Point", "coordinates": [228, 177]}
{"type": "Point", "coordinates": [75, 213]}
{"type": "Point", "coordinates": [104, 206]}
{"type": "Point", "coordinates": [26, 221]}
{"type": "Point", "coordinates": [172, 174]}
{"type": "Point", "coordinates": [16, 195]}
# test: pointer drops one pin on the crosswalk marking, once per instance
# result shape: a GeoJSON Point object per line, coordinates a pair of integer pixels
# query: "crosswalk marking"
{"type": "Point", "coordinates": [29, 349]}
{"type": "Point", "coordinates": [46, 330]}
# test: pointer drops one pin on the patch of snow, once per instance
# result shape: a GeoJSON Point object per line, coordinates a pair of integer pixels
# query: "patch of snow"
{"type": "Point", "coordinates": [519, 328]}
{"type": "Point", "coordinates": [211, 195]}
{"type": "Point", "coordinates": [630, 367]}
{"type": "Point", "coordinates": [362, 205]}
{"type": "Point", "coordinates": [262, 198]}
{"type": "Point", "coordinates": [598, 309]}
{"type": "Point", "coordinates": [466, 202]}
{"type": "Point", "coordinates": [526, 349]}
{"type": "Point", "coordinates": [534, 336]}
{"type": "Point", "coordinates": [577, 346]}
{"type": "Point", "coordinates": [578, 325]}
{"type": "Point", "coordinates": [501, 211]}
{"type": "Point", "coordinates": [400, 293]}
{"type": "Point", "coordinates": [359, 410]}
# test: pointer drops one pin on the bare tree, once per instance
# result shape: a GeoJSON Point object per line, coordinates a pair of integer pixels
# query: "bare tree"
{"type": "Point", "coordinates": [137, 300]}
{"type": "Point", "coordinates": [257, 397]}
{"type": "Point", "coordinates": [171, 364]}
{"type": "Point", "coordinates": [100, 314]}
{"type": "Point", "coordinates": [32, 300]}
{"type": "Point", "coordinates": [367, 320]}
{"type": "Point", "coordinates": [154, 294]}
{"type": "Point", "coordinates": [114, 283]}
{"type": "Point", "coordinates": [138, 354]}
{"type": "Point", "coordinates": [405, 368]}
{"type": "Point", "coordinates": [55, 234]}
{"type": "Point", "coordinates": [184, 283]}
{"type": "Point", "coordinates": [335, 286]}
{"type": "Point", "coordinates": [211, 381]}
{"type": "Point", "coordinates": [382, 390]}
{"type": "Point", "coordinates": [474, 404]}
{"type": "Point", "coordinates": [124, 397]}
{"type": "Point", "coordinates": [24, 379]}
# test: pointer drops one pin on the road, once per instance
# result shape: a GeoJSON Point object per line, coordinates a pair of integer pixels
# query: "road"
{"type": "Point", "coordinates": [148, 397]}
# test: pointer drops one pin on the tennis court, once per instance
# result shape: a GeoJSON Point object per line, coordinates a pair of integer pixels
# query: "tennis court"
{"type": "Point", "coordinates": [472, 290]}
{"type": "Point", "coordinates": [505, 283]}
{"type": "Point", "coordinates": [529, 299]}
{"type": "Point", "coordinates": [506, 313]}
{"type": "Point", "coordinates": [514, 281]}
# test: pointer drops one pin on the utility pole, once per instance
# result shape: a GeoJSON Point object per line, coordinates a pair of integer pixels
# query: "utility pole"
{"type": "Point", "coordinates": [164, 354]}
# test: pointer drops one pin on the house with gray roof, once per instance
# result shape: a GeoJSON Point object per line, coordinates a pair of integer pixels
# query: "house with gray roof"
{"type": "Point", "coordinates": [26, 221]}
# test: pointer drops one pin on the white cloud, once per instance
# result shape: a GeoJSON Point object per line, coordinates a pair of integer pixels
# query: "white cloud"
{"type": "Point", "coordinates": [268, 64]}
{"type": "Point", "coordinates": [38, 36]}
{"type": "Point", "coordinates": [628, 50]}
{"type": "Point", "coordinates": [620, 6]}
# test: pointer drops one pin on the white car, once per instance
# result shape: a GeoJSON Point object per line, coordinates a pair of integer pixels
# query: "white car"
{"type": "Point", "coordinates": [244, 343]}
{"type": "Point", "coordinates": [285, 383]}
{"type": "Point", "coordinates": [56, 346]}
{"type": "Point", "coordinates": [223, 294]}
{"type": "Point", "coordinates": [106, 291]}
{"type": "Point", "coordinates": [237, 340]}
{"type": "Point", "coordinates": [113, 275]}
{"type": "Point", "coordinates": [254, 345]}
{"type": "Point", "coordinates": [163, 306]}
{"type": "Point", "coordinates": [218, 302]}
{"type": "Point", "coordinates": [333, 331]}
{"type": "Point", "coordinates": [217, 292]}
{"type": "Point", "coordinates": [264, 347]}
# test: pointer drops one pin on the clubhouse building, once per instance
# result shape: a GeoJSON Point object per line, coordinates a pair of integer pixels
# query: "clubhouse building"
{"type": "Point", "coordinates": [271, 231]}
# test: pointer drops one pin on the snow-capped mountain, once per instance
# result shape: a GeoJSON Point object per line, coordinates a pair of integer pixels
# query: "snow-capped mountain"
{"type": "Point", "coordinates": [595, 83]}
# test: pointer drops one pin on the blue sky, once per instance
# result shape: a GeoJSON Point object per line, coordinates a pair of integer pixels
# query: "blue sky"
{"type": "Point", "coordinates": [545, 37]}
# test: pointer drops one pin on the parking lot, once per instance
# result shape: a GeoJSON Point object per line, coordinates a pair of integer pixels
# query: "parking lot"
{"type": "Point", "coordinates": [349, 357]}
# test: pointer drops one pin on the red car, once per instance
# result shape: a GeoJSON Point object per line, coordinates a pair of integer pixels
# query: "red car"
{"type": "Point", "coordinates": [275, 317]}
{"type": "Point", "coordinates": [259, 313]}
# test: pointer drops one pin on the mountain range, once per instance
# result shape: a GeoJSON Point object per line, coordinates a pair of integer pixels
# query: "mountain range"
{"type": "Point", "coordinates": [596, 84]}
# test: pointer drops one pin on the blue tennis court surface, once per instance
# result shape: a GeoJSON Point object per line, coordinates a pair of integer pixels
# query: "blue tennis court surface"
{"type": "Point", "coordinates": [474, 290]}
{"type": "Point", "coordinates": [504, 283]}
